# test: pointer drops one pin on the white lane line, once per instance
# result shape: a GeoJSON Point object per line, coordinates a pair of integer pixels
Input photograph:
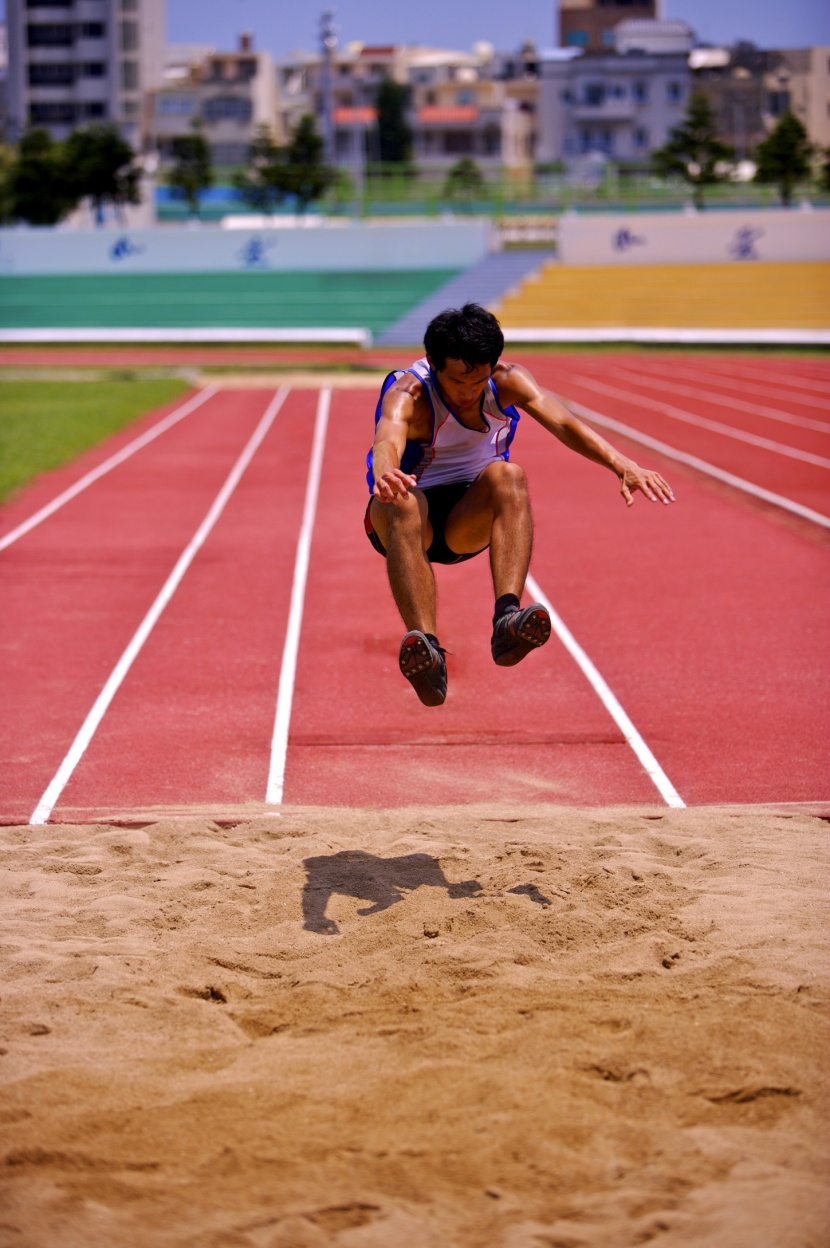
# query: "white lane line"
{"type": "Point", "coordinates": [701, 422]}
{"type": "Point", "coordinates": [737, 382]}
{"type": "Point", "coordinates": [722, 400]}
{"type": "Point", "coordinates": [789, 379]}
{"type": "Point", "coordinates": [114, 460]}
{"type": "Point", "coordinates": [288, 670]}
{"type": "Point", "coordinates": [59, 781]}
{"type": "Point", "coordinates": [702, 465]}
{"type": "Point", "coordinates": [600, 686]}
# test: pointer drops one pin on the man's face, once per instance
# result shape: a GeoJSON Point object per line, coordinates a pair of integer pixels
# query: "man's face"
{"type": "Point", "coordinates": [461, 384]}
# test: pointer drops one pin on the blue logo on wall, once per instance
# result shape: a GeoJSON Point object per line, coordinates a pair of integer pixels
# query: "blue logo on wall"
{"type": "Point", "coordinates": [122, 248]}
{"type": "Point", "coordinates": [742, 246]}
{"type": "Point", "coordinates": [253, 254]}
{"type": "Point", "coordinates": [623, 239]}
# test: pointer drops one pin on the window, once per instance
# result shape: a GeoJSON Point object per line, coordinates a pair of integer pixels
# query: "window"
{"type": "Point", "coordinates": [779, 103]}
{"type": "Point", "coordinates": [92, 30]}
{"type": "Point", "coordinates": [227, 108]}
{"type": "Point", "coordinates": [594, 93]}
{"type": "Point", "coordinates": [674, 91]}
{"type": "Point", "coordinates": [174, 105]}
{"type": "Point", "coordinates": [93, 69]}
{"type": "Point", "coordinates": [230, 153]}
{"type": "Point", "coordinates": [465, 97]}
{"type": "Point", "coordinates": [458, 142]}
{"type": "Point", "coordinates": [50, 35]}
{"type": "Point", "coordinates": [608, 38]}
{"type": "Point", "coordinates": [129, 75]}
{"type": "Point", "coordinates": [53, 75]}
{"type": "Point", "coordinates": [640, 91]}
{"type": "Point", "coordinates": [130, 108]}
{"type": "Point", "coordinates": [577, 39]}
{"type": "Point", "coordinates": [95, 108]}
{"type": "Point", "coordinates": [129, 36]}
{"type": "Point", "coordinates": [48, 4]}
{"type": "Point", "coordinates": [640, 138]}
{"type": "Point", "coordinates": [52, 114]}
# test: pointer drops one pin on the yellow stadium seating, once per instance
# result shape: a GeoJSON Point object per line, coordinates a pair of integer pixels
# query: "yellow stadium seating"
{"type": "Point", "coordinates": [709, 296]}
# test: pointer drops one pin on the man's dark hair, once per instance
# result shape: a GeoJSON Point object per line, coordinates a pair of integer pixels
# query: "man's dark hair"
{"type": "Point", "coordinates": [471, 334]}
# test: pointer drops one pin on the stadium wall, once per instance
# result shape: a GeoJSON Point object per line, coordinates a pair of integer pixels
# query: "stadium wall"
{"type": "Point", "coordinates": [336, 247]}
{"type": "Point", "coordinates": [708, 237]}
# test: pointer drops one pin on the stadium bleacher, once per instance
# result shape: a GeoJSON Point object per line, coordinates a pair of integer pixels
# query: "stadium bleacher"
{"type": "Point", "coordinates": [244, 300]}
{"type": "Point", "coordinates": [705, 296]}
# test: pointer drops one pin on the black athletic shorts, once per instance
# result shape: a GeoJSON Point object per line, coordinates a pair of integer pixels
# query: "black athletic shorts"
{"type": "Point", "coordinates": [440, 501]}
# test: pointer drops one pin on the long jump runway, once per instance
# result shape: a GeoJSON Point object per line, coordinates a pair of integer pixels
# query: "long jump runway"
{"type": "Point", "coordinates": [193, 619]}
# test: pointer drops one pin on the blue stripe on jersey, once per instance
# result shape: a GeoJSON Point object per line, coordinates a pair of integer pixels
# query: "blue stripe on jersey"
{"type": "Point", "coordinates": [413, 451]}
{"type": "Point", "coordinates": [509, 411]}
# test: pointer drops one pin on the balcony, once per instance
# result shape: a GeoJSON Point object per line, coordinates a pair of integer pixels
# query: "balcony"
{"type": "Point", "coordinates": [612, 108]}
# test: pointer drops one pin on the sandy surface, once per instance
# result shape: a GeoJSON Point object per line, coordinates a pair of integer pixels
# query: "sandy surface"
{"type": "Point", "coordinates": [508, 1028]}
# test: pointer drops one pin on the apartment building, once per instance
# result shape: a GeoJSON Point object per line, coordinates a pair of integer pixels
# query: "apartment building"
{"type": "Point", "coordinates": [230, 94]}
{"type": "Point", "coordinates": [478, 103]}
{"type": "Point", "coordinates": [620, 105]}
{"type": "Point", "coordinates": [76, 62]}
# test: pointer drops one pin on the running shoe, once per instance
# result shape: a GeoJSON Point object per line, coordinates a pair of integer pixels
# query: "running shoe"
{"type": "Point", "coordinates": [517, 632]}
{"type": "Point", "coordinates": [422, 662]}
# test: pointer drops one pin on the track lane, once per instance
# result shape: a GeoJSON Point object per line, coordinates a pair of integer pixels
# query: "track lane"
{"type": "Point", "coordinates": [359, 736]}
{"type": "Point", "coordinates": [804, 483]}
{"type": "Point", "coordinates": [708, 619]}
{"type": "Point", "coordinates": [191, 725]}
{"type": "Point", "coordinates": [75, 588]}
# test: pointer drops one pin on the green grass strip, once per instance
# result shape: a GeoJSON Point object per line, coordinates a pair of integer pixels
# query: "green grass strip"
{"type": "Point", "coordinates": [46, 423]}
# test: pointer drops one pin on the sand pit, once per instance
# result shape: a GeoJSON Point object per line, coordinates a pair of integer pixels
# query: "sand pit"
{"type": "Point", "coordinates": [500, 1028]}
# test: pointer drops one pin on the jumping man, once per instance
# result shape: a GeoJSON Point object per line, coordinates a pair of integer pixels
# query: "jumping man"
{"type": "Point", "coordinates": [443, 486]}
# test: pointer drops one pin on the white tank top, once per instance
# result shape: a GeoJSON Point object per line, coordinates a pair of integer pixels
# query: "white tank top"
{"type": "Point", "coordinates": [454, 452]}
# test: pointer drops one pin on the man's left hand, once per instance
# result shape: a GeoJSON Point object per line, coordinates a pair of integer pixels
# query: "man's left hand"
{"type": "Point", "coordinates": [633, 478]}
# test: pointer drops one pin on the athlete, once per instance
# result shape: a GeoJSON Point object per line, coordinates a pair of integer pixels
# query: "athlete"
{"type": "Point", "coordinates": [444, 488]}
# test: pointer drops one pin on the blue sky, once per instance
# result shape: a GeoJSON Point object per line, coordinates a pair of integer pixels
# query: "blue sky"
{"type": "Point", "coordinates": [280, 27]}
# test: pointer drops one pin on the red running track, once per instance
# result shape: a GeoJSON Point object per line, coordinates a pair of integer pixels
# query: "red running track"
{"type": "Point", "coordinates": [708, 619]}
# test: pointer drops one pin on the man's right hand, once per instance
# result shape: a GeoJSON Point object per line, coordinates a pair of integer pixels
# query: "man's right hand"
{"type": "Point", "coordinates": [392, 485]}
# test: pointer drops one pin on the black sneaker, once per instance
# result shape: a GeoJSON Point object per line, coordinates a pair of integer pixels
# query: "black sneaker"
{"type": "Point", "coordinates": [422, 662]}
{"type": "Point", "coordinates": [517, 632]}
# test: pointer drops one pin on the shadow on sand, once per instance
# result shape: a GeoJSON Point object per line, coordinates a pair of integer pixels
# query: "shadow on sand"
{"type": "Point", "coordinates": [380, 881]}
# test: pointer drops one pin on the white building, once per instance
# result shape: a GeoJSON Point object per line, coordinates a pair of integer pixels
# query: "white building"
{"type": "Point", "coordinates": [619, 105]}
{"type": "Point", "coordinates": [75, 62]}
{"type": "Point", "coordinates": [230, 94]}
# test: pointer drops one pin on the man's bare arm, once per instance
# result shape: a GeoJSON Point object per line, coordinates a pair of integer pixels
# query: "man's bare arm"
{"type": "Point", "coordinates": [521, 388]}
{"type": "Point", "coordinates": [391, 434]}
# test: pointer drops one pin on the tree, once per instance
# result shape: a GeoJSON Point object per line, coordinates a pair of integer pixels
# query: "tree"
{"type": "Point", "coordinates": [784, 157]}
{"type": "Point", "coordinates": [7, 167]}
{"type": "Point", "coordinates": [694, 152]}
{"type": "Point", "coordinates": [100, 165]}
{"type": "Point", "coordinates": [265, 183]}
{"type": "Point", "coordinates": [307, 178]}
{"type": "Point", "coordinates": [394, 133]}
{"type": "Point", "coordinates": [464, 181]}
{"type": "Point", "coordinates": [40, 189]}
{"type": "Point", "coordinates": [192, 170]}
{"type": "Point", "coordinates": [824, 172]}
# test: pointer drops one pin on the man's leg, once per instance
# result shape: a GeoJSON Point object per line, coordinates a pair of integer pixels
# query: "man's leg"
{"type": "Point", "coordinates": [405, 531]}
{"type": "Point", "coordinates": [496, 511]}
{"type": "Point", "coordinates": [497, 508]}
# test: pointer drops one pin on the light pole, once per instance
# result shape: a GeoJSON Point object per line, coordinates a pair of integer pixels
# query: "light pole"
{"type": "Point", "coordinates": [328, 45]}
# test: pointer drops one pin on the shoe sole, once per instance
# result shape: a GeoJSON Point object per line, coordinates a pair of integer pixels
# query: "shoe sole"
{"type": "Point", "coordinates": [417, 663]}
{"type": "Point", "coordinates": [532, 633]}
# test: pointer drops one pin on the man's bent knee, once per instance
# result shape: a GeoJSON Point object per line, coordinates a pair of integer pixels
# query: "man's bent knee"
{"type": "Point", "coordinates": [405, 514]}
{"type": "Point", "coordinates": [505, 480]}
